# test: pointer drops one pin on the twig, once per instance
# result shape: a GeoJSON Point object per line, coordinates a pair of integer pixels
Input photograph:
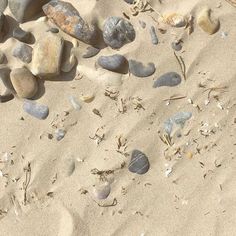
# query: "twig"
{"type": "Point", "coordinates": [174, 98]}
{"type": "Point", "coordinates": [27, 181]}
{"type": "Point", "coordinates": [181, 64]}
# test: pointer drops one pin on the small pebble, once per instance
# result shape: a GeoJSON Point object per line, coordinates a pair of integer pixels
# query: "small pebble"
{"type": "Point", "coordinates": [169, 79]}
{"type": "Point", "coordinates": [37, 110]}
{"type": "Point", "coordinates": [139, 162]}
{"type": "Point", "coordinates": [60, 134]}
{"type": "Point", "coordinates": [175, 19]}
{"type": "Point", "coordinates": [23, 52]}
{"type": "Point", "coordinates": [6, 96]}
{"type": "Point", "coordinates": [143, 24]}
{"type": "Point", "coordinates": [153, 35]}
{"type": "Point", "coordinates": [176, 45]}
{"type": "Point", "coordinates": [53, 30]}
{"type": "Point", "coordinates": [91, 52]}
{"type": "Point", "coordinates": [140, 70]}
{"type": "Point", "coordinates": [21, 35]}
{"type": "Point", "coordinates": [74, 103]}
{"type": "Point", "coordinates": [102, 191]}
{"type": "Point", "coordinates": [129, 1]}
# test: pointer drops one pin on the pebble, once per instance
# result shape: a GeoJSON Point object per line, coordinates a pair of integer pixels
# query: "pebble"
{"type": "Point", "coordinates": [143, 24]}
{"type": "Point", "coordinates": [24, 83]}
{"type": "Point", "coordinates": [74, 103]}
{"type": "Point", "coordinates": [139, 162]}
{"type": "Point", "coordinates": [175, 19]}
{"type": "Point", "coordinates": [60, 134]}
{"type": "Point", "coordinates": [37, 110]}
{"type": "Point", "coordinates": [53, 30]}
{"type": "Point", "coordinates": [69, 64]}
{"type": "Point", "coordinates": [118, 32]}
{"type": "Point", "coordinates": [2, 57]}
{"type": "Point", "coordinates": [115, 63]}
{"type": "Point", "coordinates": [21, 35]}
{"type": "Point", "coordinates": [176, 45]}
{"type": "Point", "coordinates": [68, 19]}
{"type": "Point", "coordinates": [24, 10]}
{"type": "Point", "coordinates": [140, 70]}
{"type": "Point", "coordinates": [2, 25]}
{"type": "Point", "coordinates": [6, 96]}
{"type": "Point", "coordinates": [102, 191]}
{"type": "Point", "coordinates": [206, 23]}
{"type": "Point", "coordinates": [169, 79]}
{"type": "Point", "coordinates": [153, 35]}
{"type": "Point", "coordinates": [23, 52]}
{"type": "Point", "coordinates": [129, 1]}
{"type": "Point", "coordinates": [3, 5]}
{"type": "Point", "coordinates": [91, 52]}
{"type": "Point", "coordinates": [5, 77]}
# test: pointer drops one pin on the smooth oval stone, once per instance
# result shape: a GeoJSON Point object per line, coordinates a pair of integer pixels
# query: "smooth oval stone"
{"type": "Point", "coordinates": [138, 69]}
{"type": "Point", "coordinates": [139, 162]}
{"type": "Point", "coordinates": [115, 63]}
{"type": "Point", "coordinates": [118, 32]}
{"type": "Point", "coordinates": [21, 35]}
{"type": "Point", "coordinates": [23, 52]}
{"type": "Point", "coordinates": [102, 191]}
{"type": "Point", "coordinates": [153, 35]}
{"type": "Point", "coordinates": [60, 134]}
{"type": "Point", "coordinates": [176, 46]}
{"type": "Point", "coordinates": [169, 79]}
{"type": "Point", "coordinates": [91, 52]}
{"type": "Point", "coordinates": [37, 110]}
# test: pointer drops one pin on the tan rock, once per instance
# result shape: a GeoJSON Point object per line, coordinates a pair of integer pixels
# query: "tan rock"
{"type": "Point", "coordinates": [24, 83]}
{"type": "Point", "coordinates": [47, 56]}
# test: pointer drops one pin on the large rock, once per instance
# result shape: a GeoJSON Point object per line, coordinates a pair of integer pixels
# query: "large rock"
{"type": "Point", "coordinates": [47, 55]}
{"type": "Point", "coordinates": [24, 83]}
{"type": "Point", "coordinates": [68, 19]}
{"type": "Point", "coordinates": [24, 10]}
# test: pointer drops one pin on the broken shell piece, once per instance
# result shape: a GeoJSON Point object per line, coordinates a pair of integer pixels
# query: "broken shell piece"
{"type": "Point", "coordinates": [102, 191]}
{"type": "Point", "coordinates": [87, 98]}
{"type": "Point", "coordinates": [175, 19]}
{"type": "Point", "coordinates": [206, 23]}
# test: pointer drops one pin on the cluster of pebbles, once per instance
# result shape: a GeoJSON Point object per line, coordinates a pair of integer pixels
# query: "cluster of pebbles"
{"type": "Point", "coordinates": [40, 63]}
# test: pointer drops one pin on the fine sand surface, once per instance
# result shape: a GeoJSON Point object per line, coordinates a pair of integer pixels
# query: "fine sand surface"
{"type": "Point", "coordinates": [198, 197]}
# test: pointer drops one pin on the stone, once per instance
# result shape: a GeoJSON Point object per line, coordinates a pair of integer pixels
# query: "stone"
{"type": "Point", "coordinates": [68, 19]}
{"type": "Point", "coordinates": [129, 1]}
{"type": "Point", "coordinates": [69, 64]}
{"type": "Point", "coordinates": [175, 19]}
{"type": "Point", "coordinates": [47, 55]}
{"type": "Point", "coordinates": [2, 25]}
{"type": "Point", "coordinates": [36, 110]}
{"type": "Point", "coordinates": [206, 22]}
{"type": "Point", "coordinates": [6, 96]}
{"type": "Point", "coordinates": [53, 30]}
{"type": "Point", "coordinates": [3, 5]}
{"type": "Point", "coordinates": [143, 24]}
{"type": "Point", "coordinates": [2, 57]}
{"type": "Point", "coordinates": [118, 32]}
{"type": "Point", "coordinates": [115, 63]}
{"type": "Point", "coordinates": [153, 35]}
{"type": "Point", "coordinates": [60, 134]}
{"type": "Point", "coordinates": [24, 10]}
{"type": "Point", "coordinates": [23, 52]}
{"type": "Point", "coordinates": [74, 102]}
{"type": "Point", "coordinates": [5, 77]}
{"type": "Point", "coordinates": [169, 79]}
{"type": "Point", "coordinates": [140, 70]}
{"type": "Point", "coordinates": [139, 162]}
{"type": "Point", "coordinates": [176, 45]}
{"type": "Point", "coordinates": [102, 191]}
{"type": "Point", "coordinates": [22, 35]}
{"type": "Point", "coordinates": [24, 83]}
{"type": "Point", "coordinates": [91, 52]}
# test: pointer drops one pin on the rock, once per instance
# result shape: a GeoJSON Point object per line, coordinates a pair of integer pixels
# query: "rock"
{"type": "Point", "coordinates": [24, 83]}
{"type": "Point", "coordinates": [139, 163]}
{"type": "Point", "coordinates": [118, 32]}
{"type": "Point", "coordinates": [102, 191]}
{"type": "Point", "coordinates": [68, 19]}
{"type": "Point", "coordinates": [139, 70]}
{"type": "Point", "coordinates": [37, 110]}
{"type": "Point", "coordinates": [6, 96]}
{"type": "Point", "coordinates": [91, 52]}
{"type": "Point", "coordinates": [175, 19]}
{"type": "Point", "coordinates": [153, 35]}
{"type": "Point", "coordinates": [3, 5]}
{"type": "Point", "coordinates": [169, 79]}
{"type": "Point", "coordinates": [115, 63]}
{"type": "Point", "coordinates": [2, 25]}
{"type": "Point", "coordinates": [179, 119]}
{"type": "Point", "coordinates": [129, 1]}
{"type": "Point", "coordinates": [53, 30]}
{"type": "Point", "coordinates": [24, 10]}
{"type": "Point", "coordinates": [143, 24]}
{"type": "Point", "coordinates": [74, 103]}
{"type": "Point", "coordinates": [23, 52]}
{"type": "Point", "coordinates": [68, 64]}
{"type": "Point", "coordinates": [176, 45]}
{"type": "Point", "coordinates": [207, 24]}
{"type": "Point", "coordinates": [47, 56]}
{"type": "Point", "coordinates": [2, 57]}
{"type": "Point", "coordinates": [60, 134]}
{"type": "Point", "coordinates": [5, 77]}
{"type": "Point", "coordinates": [22, 35]}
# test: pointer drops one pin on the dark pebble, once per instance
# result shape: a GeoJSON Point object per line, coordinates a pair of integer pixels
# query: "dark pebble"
{"type": "Point", "coordinates": [91, 52]}
{"type": "Point", "coordinates": [140, 70]}
{"type": "Point", "coordinates": [53, 30]}
{"type": "Point", "coordinates": [153, 35]}
{"type": "Point", "coordinates": [21, 35]}
{"type": "Point", "coordinates": [6, 96]}
{"type": "Point", "coordinates": [176, 46]}
{"type": "Point", "coordinates": [23, 52]}
{"type": "Point", "coordinates": [129, 1]}
{"type": "Point", "coordinates": [169, 79]}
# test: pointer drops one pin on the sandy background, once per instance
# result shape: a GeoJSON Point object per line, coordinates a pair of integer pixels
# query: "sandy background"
{"type": "Point", "coordinates": [198, 198]}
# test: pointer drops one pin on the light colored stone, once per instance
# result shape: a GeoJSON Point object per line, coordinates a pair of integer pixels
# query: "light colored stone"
{"type": "Point", "coordinates": [102, 191]}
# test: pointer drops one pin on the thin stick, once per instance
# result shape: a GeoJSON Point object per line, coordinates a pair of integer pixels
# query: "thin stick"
{"type": "Point", "coordinates": [27, 181]}
{"type": "Point", "coordinates": [182, 65]}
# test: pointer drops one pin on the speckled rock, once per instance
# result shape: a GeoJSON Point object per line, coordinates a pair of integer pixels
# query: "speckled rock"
{"type": "Point", "coordinates": [102, 191]}
{"type": "Point", "coordinates": [68, 19]}
{"type": "Point", "coordinates": [24, 10]}
{"type": "Point", "coordinates": [138, 69]}
{"type": "Point", "coordinates": [21, 35]}
{"type": "Point", "coordinates": [91, 52]}
{"type": "Point", "coordinates": [34, 109]}
{"type": "Point", "coordinates": [118, 32]}
{"type": "Point", "coordinates": [23, 52]}
{"type": "Point", "coordinates": [169, 79]}
{"type": "Point", "coordinates": [3, 5]}
{"type": "Point", "coordinates": [153, 35]}
{"type": "Point", "coordinates": [115, 63]}
{"type": "Point", "coordinates": [24, 83]}
{"type": "Point", "coordinates": [139, 162]}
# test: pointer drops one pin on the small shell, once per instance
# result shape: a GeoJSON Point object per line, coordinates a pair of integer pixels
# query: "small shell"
{"type": "Point", "coordinates": [87, 98]}
{"type": "Point", "coordinates": [175, 19]}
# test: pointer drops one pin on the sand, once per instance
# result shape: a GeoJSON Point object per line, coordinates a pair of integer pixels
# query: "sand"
{"type": "Point", "coordinates": [197, 197]}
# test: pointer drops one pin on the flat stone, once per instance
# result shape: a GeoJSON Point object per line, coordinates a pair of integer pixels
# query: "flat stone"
{"type": "Point", "coordinates": [138, 69]}
{"type": "Point", "coordinates": [68, 19]}
{"type": "Point", "coordinates": [47, 56]}
{"type": "Point", "coordinates": [153, 35]}
{"type": "Point", "coordinates": [115, 63]}
{"type": "Point", "coordinates": [21, 35]}
{"type": "Point", "coordinates": [24, 83]}
{"type": "Point", "coordinates": [102, 191]}
{"type": "Point", "coordinates": [24, 10]}
{"type": "Point", "coordinates": [169, 79]}
{"type": "Point", "coordinates": [60, 134]}
{"type": "Point", "coordinates": [2, 57]}
{"type": "Point", "coordinates": [129, 1]}
{"type": "Point", "coordinates": [91, 52]}
{"type": "Point", "coordinates": [118, 32]}
{"type": "Point", "coordinates": [3, 5]}
{"type": "Point", "coordinates": [23, 52]}
{"type": "Point", "coordinates": [176, 46]}
{"type": "Point", "coordinates": [34, 109]}
{"type": "Point", "coordinates": [139, 163]}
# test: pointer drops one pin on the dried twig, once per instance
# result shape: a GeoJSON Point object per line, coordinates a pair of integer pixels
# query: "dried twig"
{"type": "Point", "coordinates": [181, 64]}
{"type": "Point", "coordinates": [27, 171]}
